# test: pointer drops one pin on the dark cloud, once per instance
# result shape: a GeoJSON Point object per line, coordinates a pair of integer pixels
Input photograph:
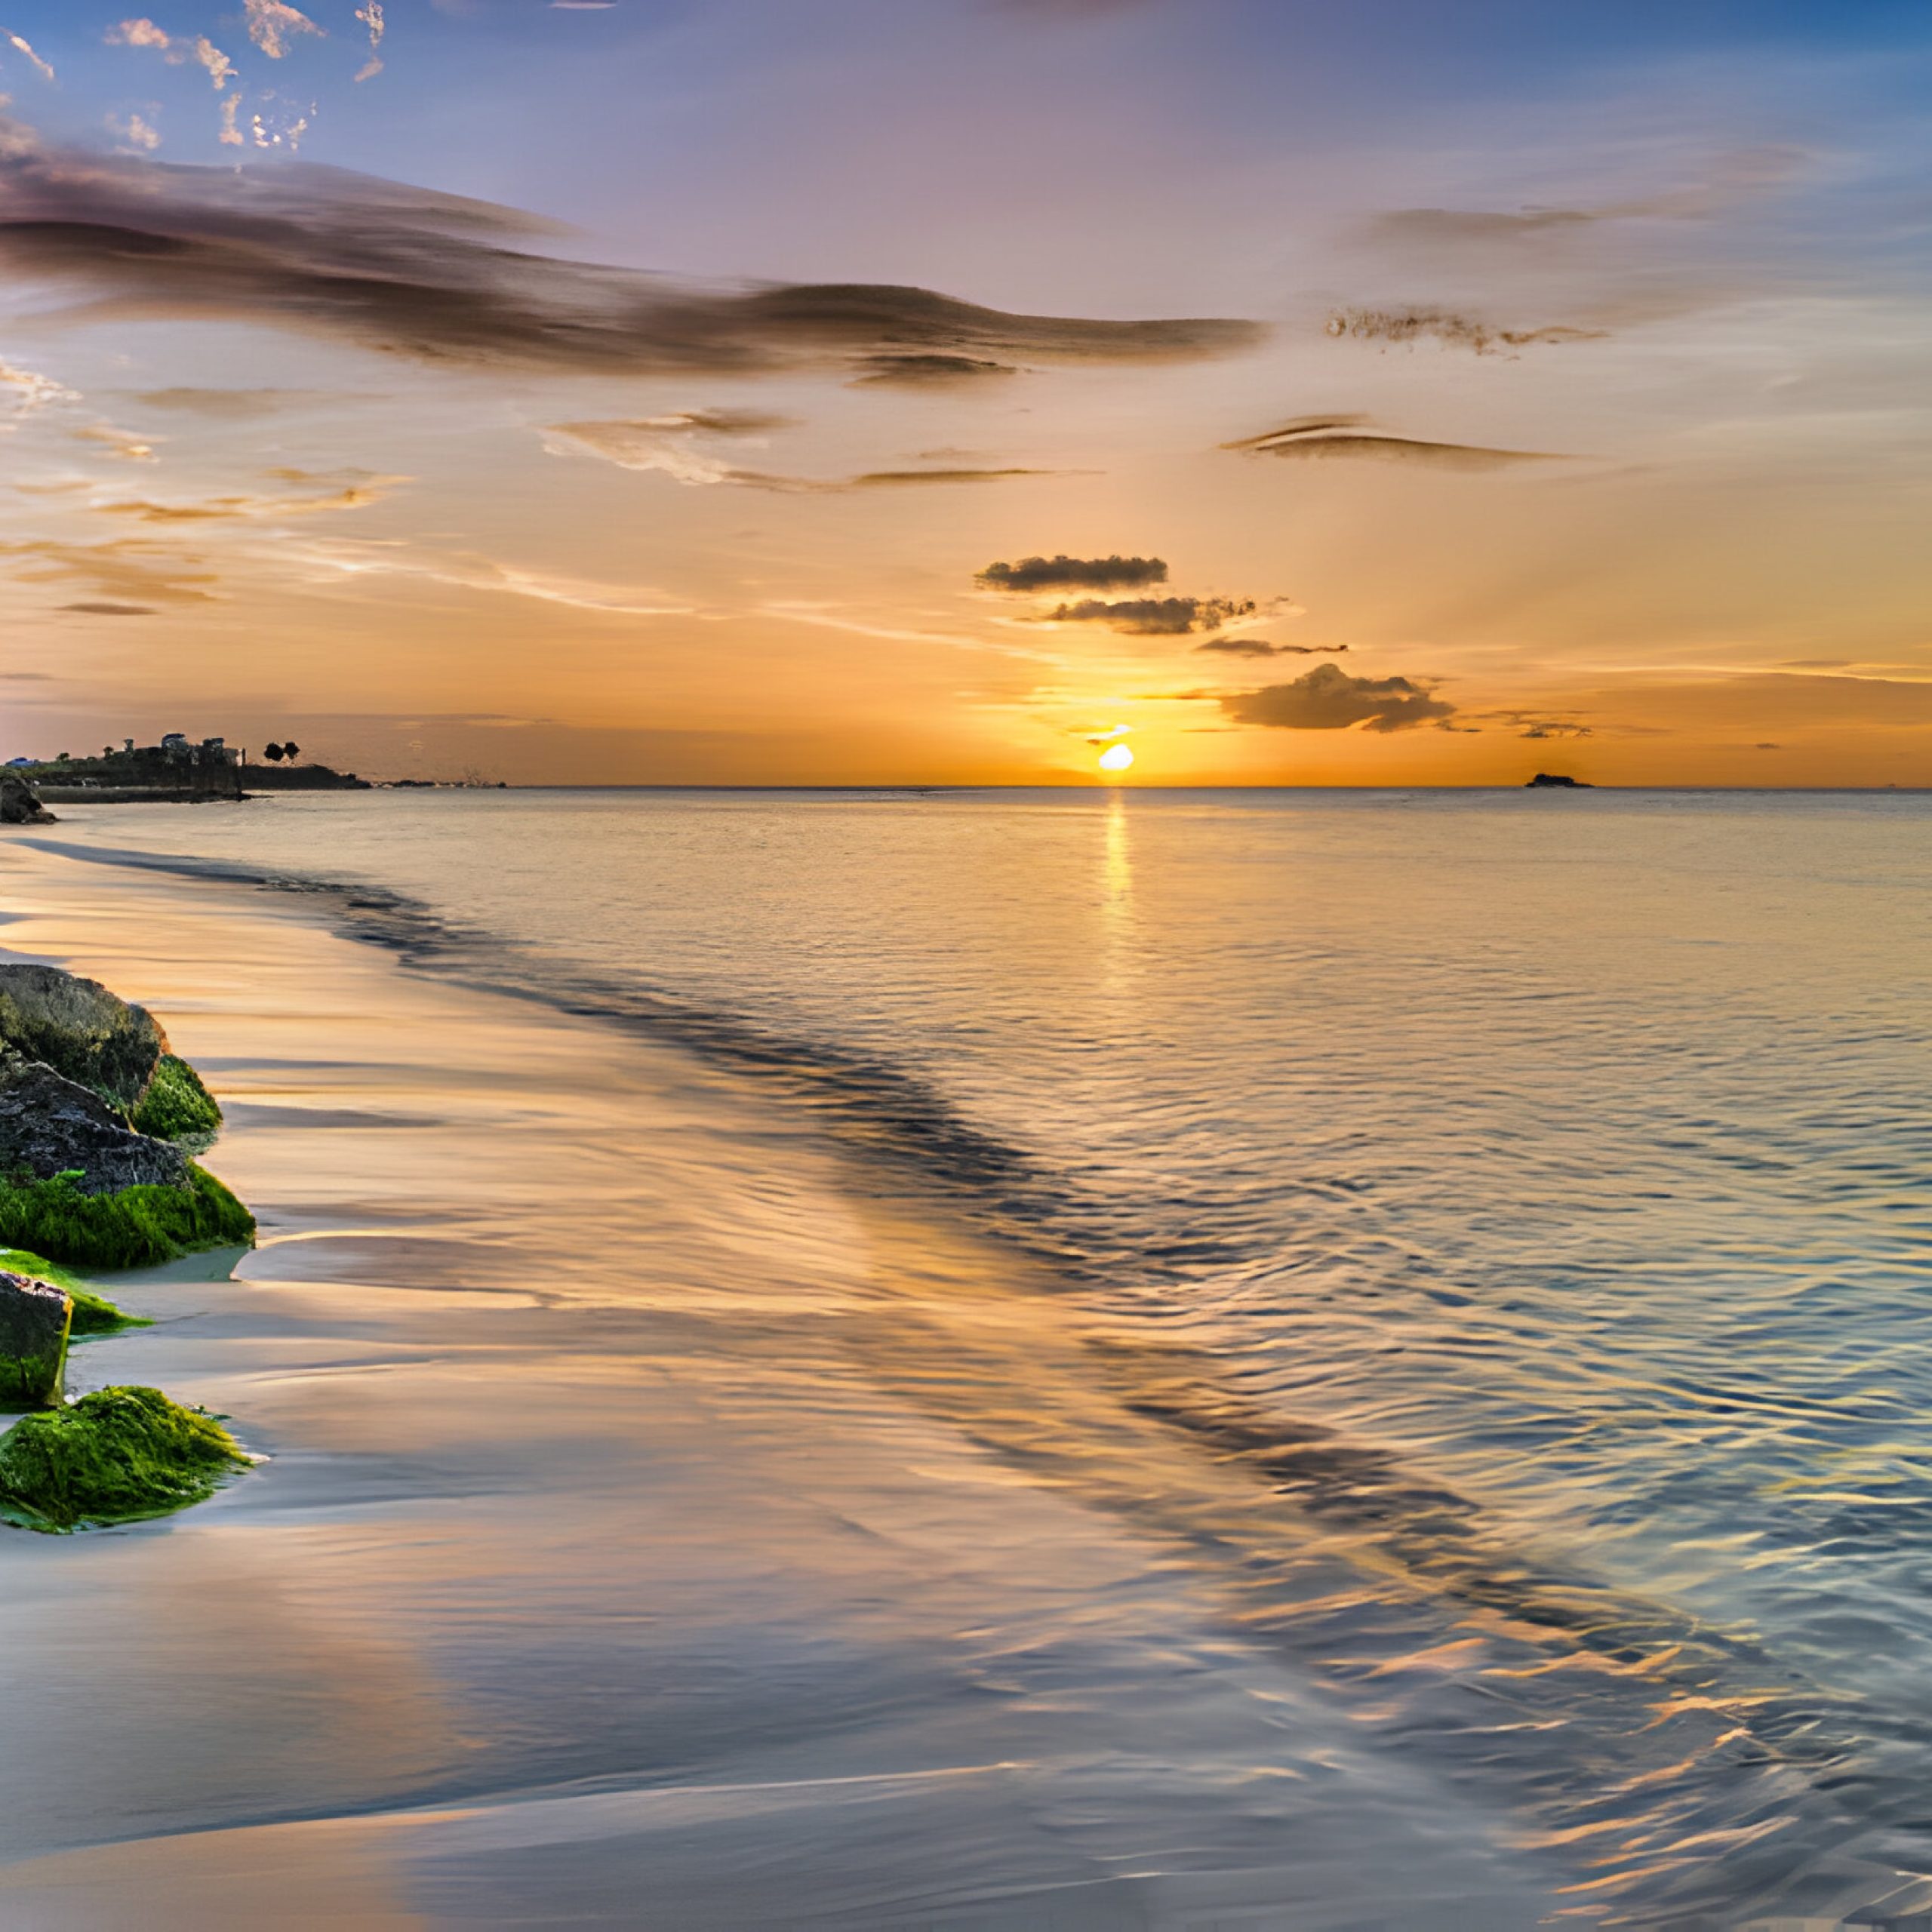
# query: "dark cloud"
{"type": "Point", "coordinates": [1327, 698]}
{"type": "Point", "coordinates": [1458, 226]}
{"type": "Point", "coordinates": [104, 610]}
{"type": "Point", "coordinates": [1065, 573]}
{"type": "Point", "coordinates": [892, 479]}
{"type": "Point", "coordinates": [1255, 647]}
{"type": "Point", "coordinates": [440, 279]}
{"type": "Point", "coordinates": [1328, 438]}
{"type": "Point", "coordinates": [1556, 728]}
{"type": "Point", "coordinates": [1156, 617]}
{"type": "Point", "coordinates": [1445, 326]}
{"type": "Point", "coordinates": [928, 372]}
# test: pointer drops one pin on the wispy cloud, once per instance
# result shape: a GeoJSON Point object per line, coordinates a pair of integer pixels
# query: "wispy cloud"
{"type": "Point", "coordinates": [144, 33]}
{"type": "Point", "coordinates": [45, 72]}
{"type": "Point", "coordinates": [344, 560]}
{"type": "Point", "coordinates": [372, 17]}
{"type": "Point", "coordinates": [433, 276]}
{"type": "Point", "coordinates": [129, 569]}
{"type": "Point", "coordinates": [1329, 438]}
{"type": "Point", "coordinates": [30, 390]}
{"type": "Point", "coordinates": [1255, 647]}
{"type": "Point", "coordinates": [1445, 326]}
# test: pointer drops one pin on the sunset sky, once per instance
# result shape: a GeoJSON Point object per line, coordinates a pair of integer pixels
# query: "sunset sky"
{"type": "Point", "coordinates": [636, 391]}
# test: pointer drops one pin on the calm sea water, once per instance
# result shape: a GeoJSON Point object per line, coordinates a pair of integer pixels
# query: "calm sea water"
{"type": "Point", "coordinates": [1530, 1193]}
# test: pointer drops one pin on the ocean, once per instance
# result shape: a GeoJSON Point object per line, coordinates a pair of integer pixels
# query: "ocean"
{"type": "Point", "coordinates": [1482, 1239]}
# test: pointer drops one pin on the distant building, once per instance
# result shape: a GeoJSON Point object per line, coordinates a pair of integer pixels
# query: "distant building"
{"type": "Point", "coordinates": [215, 750]}
{"type": "Point", "coordinates": [174, 744]}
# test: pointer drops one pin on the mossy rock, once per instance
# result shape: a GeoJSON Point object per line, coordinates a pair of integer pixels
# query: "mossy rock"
{"type": "Point", "coordinates": [94, 1314]}
{"type": "Point", "coordinates": [176, 1106]}
{"type": "Point", "coordinates": [34, 1317]}
{"type": "Point", "coordinates": [119, 1456]}
{"type": "Point", "coordinates": [139, 1227]}
{"type": "Point", "coordinates": [81, 1030]}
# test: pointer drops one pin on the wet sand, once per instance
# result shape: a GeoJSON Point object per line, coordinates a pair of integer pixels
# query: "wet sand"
{"type": "Point", "coordinates": [669, 1520]}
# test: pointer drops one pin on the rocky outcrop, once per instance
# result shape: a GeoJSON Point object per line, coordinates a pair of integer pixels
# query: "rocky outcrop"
{"type": "Point", "coordinates": [82, 1031]}
{"type": "Point", "coordinates": [34, 1317]}
{"type": "Point", "coordinates": [1556, 781]}
{"type": "Point", "coordinates": [50, 1125]}
{"type": "Point", "coordinates": [19, 803]}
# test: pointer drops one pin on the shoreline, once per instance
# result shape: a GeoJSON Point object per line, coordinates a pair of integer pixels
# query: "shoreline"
{"type": "Point", "coordinates": [481, 1565]}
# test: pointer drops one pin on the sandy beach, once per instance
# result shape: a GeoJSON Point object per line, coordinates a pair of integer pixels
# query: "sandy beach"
{"type": "Point", "coordinates": [665, 1522]}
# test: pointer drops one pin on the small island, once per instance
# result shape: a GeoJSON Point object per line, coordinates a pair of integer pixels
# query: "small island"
{"type": "Point", "coordinates": [179, 770]}
{"type": "Point", "coordinates": [99, 1125]}
{"type": "Point", "coordinates": [1556, 781]}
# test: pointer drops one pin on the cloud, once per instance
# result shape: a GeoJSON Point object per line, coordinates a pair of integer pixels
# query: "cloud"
{"type": "Point", "coordinates": [928, 372]}
{"type": "Point", "coordinates": [126, 568]}
{"type": "Point", "coordinates": [145, 33]}
{"type": "Point", "coordinates": [106, 610]}
{"type": "Point", "coordinates": [1557, 728]}
{"type": "Point", "coordinates": [122, 443]}
{"type": "Point", "coordinates": [1455, 330]}
{"type": "Point", "coordinates": [234, 405]}
{"type": "Point", "coordinates": [371, 17]}
{"type": "Point", "coordinates": [1329, 438]}
{"type": "Point", "coordinates": [894, 479]}
{"type": "Point", "coordinates": [1156, 616]}
{"type": "Point", "coordinates": [356, 492]}
{"type": "Point", "coordinates": [437, 278]}
{"type": "Point", "coordinates": [1065, 573]}
{"type": "Point", "coordinates": [46, 72]}
{"type": "Point", "coordinates": [1327, 698]}
{"type": "Point", "coordinates": [137, 137]}
{"type": "Point", "coordinates": [663, 444]}
{"type": "Point", "coordinates": [1255, 647]}
{"type": "Point", "coordinates": [32, 391]}
{"type": "Point", "coordinates": [271, 22]}
{"type": "Point", "coordinates": [339, 560]}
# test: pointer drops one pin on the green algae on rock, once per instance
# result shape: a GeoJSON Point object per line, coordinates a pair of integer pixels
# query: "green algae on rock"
{"type": "Point", "coordinates": [138, 1227]}
{"type": "Point", "coordinates": [93, 1313]}
{"type": "Point", "coordinates": [118, 1456]}
{"type": "Point", "coordinates": [34, 1319]}
{"type": "Point", "coordinates": [176, 1106]}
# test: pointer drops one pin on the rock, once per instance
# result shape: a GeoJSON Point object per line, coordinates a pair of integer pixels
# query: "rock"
{"type": "Point", "coordinates": [50, 1125]}
{"type": "Point", "coordinates": [34, 1318]}
{"type": "Point", "coordinates": [114, 1456]}
{"type": "Point", "coordinates": [1554, 780]}
{"type": "Point", "coordinates": [79, 1029]}
{"type": "Point", "coordinates": [19, 803]}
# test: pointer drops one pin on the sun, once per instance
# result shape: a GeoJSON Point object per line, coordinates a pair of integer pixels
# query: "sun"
{"type": "Point", "coordinates": [1116, 757]}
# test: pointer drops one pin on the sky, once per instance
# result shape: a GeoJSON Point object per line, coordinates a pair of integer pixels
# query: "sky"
{"type": "Point", "coordinates": [929, 391]}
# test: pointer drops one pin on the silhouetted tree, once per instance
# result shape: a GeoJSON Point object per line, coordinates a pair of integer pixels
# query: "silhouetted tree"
{"type": "Point", "coordinates": [291, 751]}
{"type": "Point", "coordinates": [273, 754]}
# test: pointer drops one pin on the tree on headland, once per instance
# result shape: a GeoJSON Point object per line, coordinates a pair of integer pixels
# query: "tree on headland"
{"type": "Point", "coordinates": [273, 754]}
{"type": "Point", "coordinates": [291, 751]}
